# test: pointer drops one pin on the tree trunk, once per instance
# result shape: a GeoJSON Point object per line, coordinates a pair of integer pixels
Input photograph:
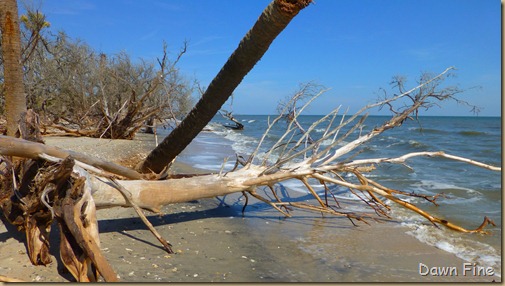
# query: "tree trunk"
{"type": "Point", "coordinates": [255, 43]}
{"type": "Point", "coordinates": [15, 100]}
{"type": "Point", "coordinates": [23, 148]}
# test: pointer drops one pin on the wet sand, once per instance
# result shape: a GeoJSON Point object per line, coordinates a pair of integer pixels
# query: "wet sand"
{"type": "Point", "coordinates": [214, 242]}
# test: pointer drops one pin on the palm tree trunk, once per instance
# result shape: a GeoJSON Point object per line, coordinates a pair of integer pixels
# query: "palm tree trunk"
{"type": "Point", "coordinates": [255, 43]}
{"type": "Point", "coordinates": [15, 99]}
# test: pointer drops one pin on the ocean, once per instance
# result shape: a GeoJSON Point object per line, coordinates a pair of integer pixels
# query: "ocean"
{"type": "Point", "coordinates": [470, 192]}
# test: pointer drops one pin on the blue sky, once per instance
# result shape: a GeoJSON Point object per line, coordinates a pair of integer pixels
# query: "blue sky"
{"type": "Point", "coordinates": [353, 47]}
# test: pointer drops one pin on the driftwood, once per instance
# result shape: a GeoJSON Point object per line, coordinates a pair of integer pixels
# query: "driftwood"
{"type": "Point", "coordinates": [237, 125]}
{"type": "Point", "coordinates": [10, 146]}
{"type": "Point", "coordinates": [68, 186]}
{"type": "Point", "coordinates": [41, 192]}
{"type": "Point", "coordinates": [127, 195]}
{"type": "Point", "coordinates": [152, 195]}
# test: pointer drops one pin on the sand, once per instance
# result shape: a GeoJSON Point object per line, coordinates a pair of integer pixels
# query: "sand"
{"type": "Point", "coordinates": [214, 242]}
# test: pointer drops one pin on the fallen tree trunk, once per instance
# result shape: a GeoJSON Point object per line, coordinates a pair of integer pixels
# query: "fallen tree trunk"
{"type": "Point", "coordinates": [16, 147]}
{"type": "Point", "coordinates": [229, 116]}
{"type": "Point", "coordinates": [153, 195]}
{"type": "Point", "coordinates": [52, 183]}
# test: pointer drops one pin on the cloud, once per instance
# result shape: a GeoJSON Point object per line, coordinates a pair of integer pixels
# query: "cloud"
{"type": "Point", "coordinates": [71, 7]}
{"type": "Point", "coordinates": [430, 53]}
{"type": "Point", "coordinates": [207, 47]}
{"type": "Point", "coordinates": [149, 35]}
{"type": "Point", "coordinates": [206, 40]}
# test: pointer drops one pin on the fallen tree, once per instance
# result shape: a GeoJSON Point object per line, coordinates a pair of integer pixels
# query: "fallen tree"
{"type": "Point", "coordinates": [68, 187]}
{"type": "Point", "coordinates": [141, 95]}
{"type": "Point", "coordinates": [236, 124]}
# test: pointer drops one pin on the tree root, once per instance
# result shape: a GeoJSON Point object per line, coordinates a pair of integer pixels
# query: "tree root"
{"type": "Point", "coordinates": [47, 191]}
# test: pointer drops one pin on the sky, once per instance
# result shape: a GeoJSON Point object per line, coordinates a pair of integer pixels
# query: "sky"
{"type": "Point", "coordinates": [351, 47]}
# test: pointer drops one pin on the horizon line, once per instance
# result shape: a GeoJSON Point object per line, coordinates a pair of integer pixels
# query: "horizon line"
{"type": "Point", "coordinates": [382, 115]}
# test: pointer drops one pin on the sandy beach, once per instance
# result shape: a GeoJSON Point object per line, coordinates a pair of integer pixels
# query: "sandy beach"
{"type": "Point", "coordinates": [214, 242]}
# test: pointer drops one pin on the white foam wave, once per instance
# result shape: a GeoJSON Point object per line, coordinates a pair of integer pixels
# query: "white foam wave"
{"type": "Point", "coordinates": [240, 143]}
{"type": "Point", "coordinates": [328, 142]}
{"type": "Point", "coordinates": [466, 249]}
{"type": "Point", "coordinates": [216, 167]}
{"type": "Point", "coordinates": [429, 185]}
{"type": "Point", "coordinates": [459, 201]}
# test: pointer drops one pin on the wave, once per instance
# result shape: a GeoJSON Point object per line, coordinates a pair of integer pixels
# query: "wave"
{"type": "Point", "coordinates": [461, 245]}
{"type": "Point", "coordinates": [214, 167]}
{"type": "Point", "coordinates": [438, 131]}
{"type": "Point", "coordinates": [428, 130]}
{"type": "Point", "coordinates": [469, 250]}
{"type": "Point", "coordinates": [472, 133]}
{"type": "Point", "coordinates": [399, 143]}
{"type": "Point", "coordinates": [465, 197]}
{"type": "Point", "coordinates": [328, 142]}
{"type": "Point", "coordinates": [454, 195]}
{"type": "Point", "coordinates": [435, 185]}
{"type": "Point", "coordinates": [417, 144]}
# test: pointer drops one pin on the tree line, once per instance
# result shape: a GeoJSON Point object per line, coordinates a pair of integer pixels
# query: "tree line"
{"type": "Point", "coordinates": [78, 90]}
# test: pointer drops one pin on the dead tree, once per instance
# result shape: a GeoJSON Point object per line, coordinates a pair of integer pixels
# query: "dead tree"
{"type": "Point", "coordinates": [50, 185]}
{"type": "Point", "coordinates": [147, 100]}
{"type": "Point", "coordinates": [228, 115]}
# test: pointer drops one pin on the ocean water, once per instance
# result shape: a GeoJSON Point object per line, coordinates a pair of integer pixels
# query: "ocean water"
{"type": "Point", "coordinates": [470, 192]}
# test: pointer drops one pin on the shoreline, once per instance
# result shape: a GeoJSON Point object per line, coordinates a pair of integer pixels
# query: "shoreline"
{"type": "Point", "coordinates": [215, 243]}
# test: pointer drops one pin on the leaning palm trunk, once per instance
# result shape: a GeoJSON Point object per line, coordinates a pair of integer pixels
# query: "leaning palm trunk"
{"type": "Point", "coordinates": [253, 46]}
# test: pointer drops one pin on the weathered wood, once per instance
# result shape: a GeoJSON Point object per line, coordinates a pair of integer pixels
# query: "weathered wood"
{"type": "Point", "coordinates": [152, 195]}
{"type": "Point", "coordinates": [127, 196]}
{"type": "Point", "coordinates": [10, 146]}
{"type": "Point", "coordinates": [229, 115]}
{"type": "Point", "coordinates": [80, 219]}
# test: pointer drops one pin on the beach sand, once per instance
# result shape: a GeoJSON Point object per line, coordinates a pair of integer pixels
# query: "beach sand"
{"type": "Point", "coordinates": [214, 242]}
